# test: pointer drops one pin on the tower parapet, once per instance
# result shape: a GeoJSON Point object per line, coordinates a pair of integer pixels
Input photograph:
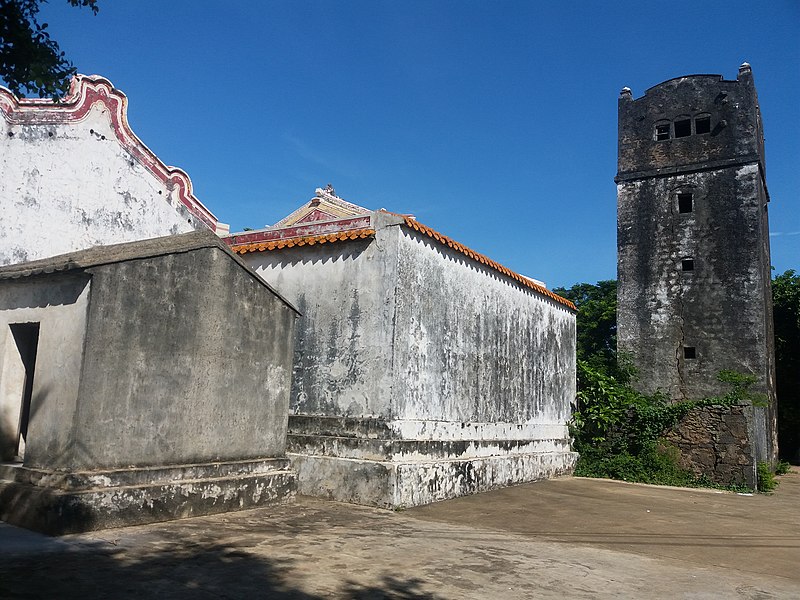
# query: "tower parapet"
{"type": "Point", "coordinates": [690, 123]}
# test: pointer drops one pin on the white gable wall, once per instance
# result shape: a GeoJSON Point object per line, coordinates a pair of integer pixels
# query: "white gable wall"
{"type": "Point", "coordinates": [73, 175]}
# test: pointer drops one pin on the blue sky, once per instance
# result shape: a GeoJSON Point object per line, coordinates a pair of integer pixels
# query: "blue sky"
{"type": "Point", "coordinates": [493, 122]}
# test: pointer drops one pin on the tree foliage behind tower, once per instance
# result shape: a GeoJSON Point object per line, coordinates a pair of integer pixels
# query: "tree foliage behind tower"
{"type": "Point", "coordinates": [618, 431]}
{"type": "Point", "coordinates": [596, 320]}
{"type": "Point", "coordinates": [786, 310]}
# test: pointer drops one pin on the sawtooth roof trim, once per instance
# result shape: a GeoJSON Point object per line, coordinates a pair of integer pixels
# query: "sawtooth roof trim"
{"type": "Point", "coordinates": [308, 240]}
{"type": "Point", "coordinates": [415, 225]}
{"type": "Point", "coordinates": [260, 242]}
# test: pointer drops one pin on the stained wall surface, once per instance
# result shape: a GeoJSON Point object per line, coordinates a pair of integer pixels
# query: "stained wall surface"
{"type": "Point", "coordinates": [420, 374]}
{"type": "Point", "coordinates": [719, 307]}
{"type": "Point", "coordinates": [74, 176]}
{"type": "Point", "coordinates": [191, 356]}
{"type": "Point", "coordinates": [472, 346]}
{"type": "Point", "coordinates": [399, 328]}
{"type": "Point", "coordinates": [178, 358]}
{"type": "Point", "coordinates": [346, 293]}
{"type": "Point", "coordinates": [694, 292]}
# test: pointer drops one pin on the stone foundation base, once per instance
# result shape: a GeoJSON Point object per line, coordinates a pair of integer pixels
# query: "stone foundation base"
{"type": "Point", "coordinates": [397, 485]}
{"type": "Point", "coordinates": [57, 503]}
{"type": "Point", "coordinates": [715, 441]}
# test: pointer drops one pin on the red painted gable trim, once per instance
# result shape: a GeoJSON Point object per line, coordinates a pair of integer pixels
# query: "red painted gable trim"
{"type": "Point", "coordinates": [298, 231]}
{"type": "Point", "coordinates": [85, 92]}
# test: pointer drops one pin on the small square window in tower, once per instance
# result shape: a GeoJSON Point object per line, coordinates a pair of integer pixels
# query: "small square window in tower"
{"type": "Point", "coordinates": [702, 124]}
{"type": "Point", "coordinates": [687, 264]}
{"type": "Point", "coordinates": [689, 352]}
{"type": "Point", "coordinates": [662, 131]}
{"type": "Point", "coordinates": [685, 203]}
{"type": "Point", "coordinates": [683, 128]}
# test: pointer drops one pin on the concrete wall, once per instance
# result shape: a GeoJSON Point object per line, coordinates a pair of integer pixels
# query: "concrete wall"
{"type": "Point", "coordinates": [406, 330]}
{"type": "Point", "coordinates": [187, 359]}
{"type": "Point", "coordinates": [173, 359]}
{"type": "Point", "coordinates": [400, 328]}
{"type": "Point", "coordinates": [472, 346]}
{"type": "Point", "coordinates": [420, 374]}
{"type": "Point", "coordinates": [70, 180]}
{"type": "Point", "coordinates": [343, 350]}
{"type": "Point", "coordinates": [59, 305]}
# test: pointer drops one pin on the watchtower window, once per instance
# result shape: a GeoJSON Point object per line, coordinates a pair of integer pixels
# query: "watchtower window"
{"type": "Point", "coordinates": [683, 128]}
{"type": "Point", "coordinates": [662, 131]}
{"type": "Point", "coordinates": [702, 124]}
{"type": "Point", "coordinates": [687, 264]}
{"type": "Point", "coordinates": [685, 203]}
{"type": "Point", "coordinates": [689, 352]}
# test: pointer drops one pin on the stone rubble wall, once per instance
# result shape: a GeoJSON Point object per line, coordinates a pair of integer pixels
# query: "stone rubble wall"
{"type": "Point", "coordinates": [714, 441]}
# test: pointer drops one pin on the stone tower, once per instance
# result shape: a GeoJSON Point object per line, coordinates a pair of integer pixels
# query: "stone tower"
{"type": "Point", "coordinates": [693, 243]}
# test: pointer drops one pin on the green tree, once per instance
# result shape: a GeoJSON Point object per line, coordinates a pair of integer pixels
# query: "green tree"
{"type": "Point", "coordinates": [786, 310]}
{"type": "Point", "coordinates": [29, 59]}
{"type": "Point", "coordinates": [596, 321]}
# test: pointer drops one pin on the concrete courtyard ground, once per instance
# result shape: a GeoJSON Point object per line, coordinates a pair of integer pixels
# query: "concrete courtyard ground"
{"type": "Point", "coordinates": [565, 538]}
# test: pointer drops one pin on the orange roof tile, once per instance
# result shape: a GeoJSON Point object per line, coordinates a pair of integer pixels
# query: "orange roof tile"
{"type": "Point", "coordinates": [416, 226]}
{"type": "Point", "coordinates": [308, 240]}
{"type": "Point", "coordinates": [484, 260]}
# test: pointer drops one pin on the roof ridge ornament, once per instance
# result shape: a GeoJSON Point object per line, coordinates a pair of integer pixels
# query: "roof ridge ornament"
{"type": "Point", "coordinates": [326, 193]}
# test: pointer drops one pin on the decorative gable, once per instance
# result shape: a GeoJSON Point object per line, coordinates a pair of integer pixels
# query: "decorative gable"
{"type": "Point", "coordinates": [324, 206]}
{"type": "Point", "coordinates": [74, 176]}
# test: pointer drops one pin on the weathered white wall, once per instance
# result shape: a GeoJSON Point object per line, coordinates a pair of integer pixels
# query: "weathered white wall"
{"type": "Point", "coordinates": [60, 305]}
{"type": "Point", "coordinates": [69, 186]}
{"type": "Point", "coordinates": [346, 295]}
{"type": "Point", "coordinates": [419, 374]}
{"type": "Point", "coordinates": [403, 328]}
{"type": "Point", "coordinates": [472, 346]}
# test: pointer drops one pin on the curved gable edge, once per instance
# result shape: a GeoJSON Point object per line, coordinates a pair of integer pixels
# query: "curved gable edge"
{"type": "Point", "coordinates": [85, 92]}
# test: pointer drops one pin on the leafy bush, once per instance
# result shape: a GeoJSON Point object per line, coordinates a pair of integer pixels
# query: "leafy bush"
{"type": "Point", "coordinates": [618, 431]}
{"type": "Point", "coordinates": [766, 478]}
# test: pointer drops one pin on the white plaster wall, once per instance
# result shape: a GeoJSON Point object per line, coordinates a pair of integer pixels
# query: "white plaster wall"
{"type": "Point", "coordinates": [60, 306]}
{"type": "Point", "coordinates": [473, 347]}
{"type": "Point", "coordinates": [70, 186]}
{"type": "Point", "coordinates": [345, 292]}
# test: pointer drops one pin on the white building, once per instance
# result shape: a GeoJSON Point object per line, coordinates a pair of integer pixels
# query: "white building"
{"type": "Point", "coordinates": [423, 370]}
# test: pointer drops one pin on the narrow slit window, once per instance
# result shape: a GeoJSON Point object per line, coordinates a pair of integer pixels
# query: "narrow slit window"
{"type": "Point", "coordinates": [702, 124]}
{"type": "Point", "coordinates": [683, 128]}
{"type": "Point", "coordinates": [687, 264]}
{"type": "Point", "coordinates": [689, 352]}
{"type": "Point", "coordinates": [685, 203]}
{"type": "Point", "coordinates": [662, 131]}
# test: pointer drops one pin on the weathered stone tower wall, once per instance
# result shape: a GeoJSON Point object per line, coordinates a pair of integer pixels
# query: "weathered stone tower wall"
{"type": "Point", "coordinates": [693, 242]}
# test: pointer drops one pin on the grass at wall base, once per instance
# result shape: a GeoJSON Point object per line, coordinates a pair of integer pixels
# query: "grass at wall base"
{"type": "Point", "coordinates": [618, 431]}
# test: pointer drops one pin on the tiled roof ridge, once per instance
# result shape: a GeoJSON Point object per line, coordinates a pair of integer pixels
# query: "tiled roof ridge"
{"type": "Point", "coordinates": [484, 260]}
{"type": "Point", "coordinates": [309, 240]}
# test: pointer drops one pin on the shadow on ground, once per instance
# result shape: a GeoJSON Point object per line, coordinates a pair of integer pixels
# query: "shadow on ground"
{"type": "Point", "coordinates": [190, 571]}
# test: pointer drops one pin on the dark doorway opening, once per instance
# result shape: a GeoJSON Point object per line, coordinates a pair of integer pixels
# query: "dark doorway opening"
{"type": "Point", "coordinates": [26, 337]}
